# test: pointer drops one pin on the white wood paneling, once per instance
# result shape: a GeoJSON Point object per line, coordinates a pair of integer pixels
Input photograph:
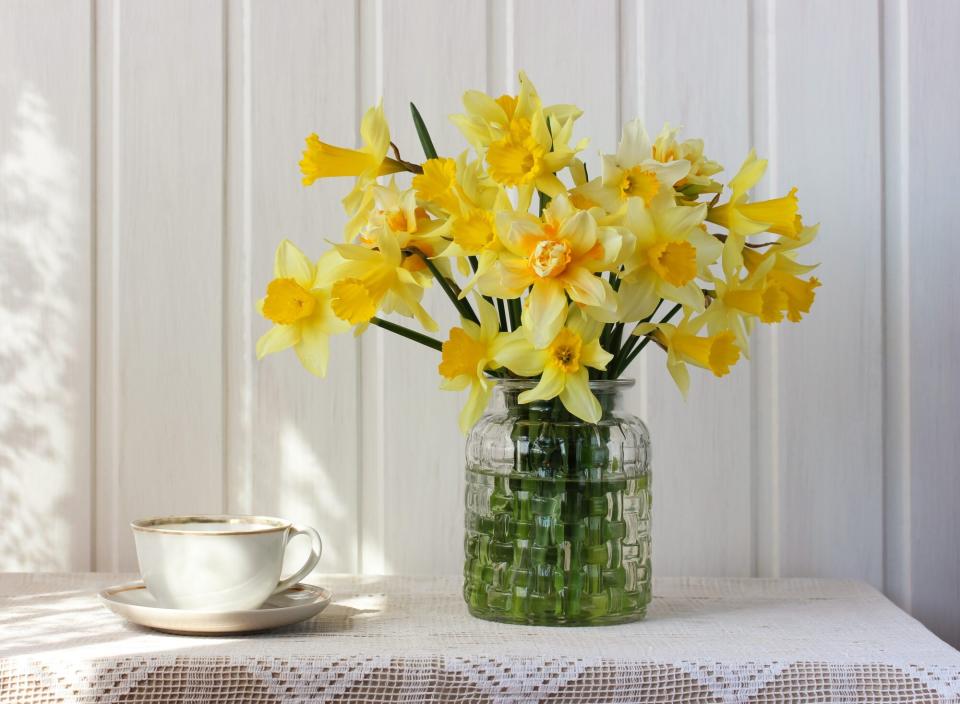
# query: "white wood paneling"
{"type": "Point", "coordinates": [828, 386]}
{"type": "Point", "coordinates": [702, 446]}
{"type": "Point", "coordinates": [421, 445]}
{"type": "Point", "coordinates": [292, 447]}
{"type": "Point", "coordinates": [160, 263]}
{"type": "Point", "coordinates": [930, 130]}
{"type": "Point", "coordinates": [45, 285]}
{"type": "Point", "coordinates": [148, 167]}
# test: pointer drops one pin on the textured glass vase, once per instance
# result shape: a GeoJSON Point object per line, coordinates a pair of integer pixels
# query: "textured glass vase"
{"type": "Point", "coordinates": [557, 512]}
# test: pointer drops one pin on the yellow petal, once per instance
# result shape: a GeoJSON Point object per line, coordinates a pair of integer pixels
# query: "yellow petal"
{"type": "Point", "coordinates": [476, 403]}
{"type": "Point", "coordinates": [550, 385]}
{"type": "Point", "coordinates": [780, 214]}
{"type": "Point", "coordinates": [593, 355]}
{"type": "Point", "coordinates": [322, 160]}
{"type": "Point", "coordinates": [313, 348]}
{"type": "Point", "coordinates": [489, 318]}
{"type": "Point", "coordinates": [277, 338]}
{"type": "Point", "coordinates": [750, 172]}
{"type": "Point", "coordinates": [681, 377]}
{"type": "Point", "coordinates": [545, 311]}
{"type": "Point", "coordinates": [579, 231]}
{"type": "Point", "coordinates": [375, 133]}
{"type": "Point", "coordinates": [519, 356]}
{"type": "Point", "coordinates": [290, 263]}
{"type": "Point", "coordinates": [578, 399]}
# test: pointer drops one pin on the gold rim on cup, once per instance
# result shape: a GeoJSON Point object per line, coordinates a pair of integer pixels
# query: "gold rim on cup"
{"type": "Point", "coordinates": [160, 524]}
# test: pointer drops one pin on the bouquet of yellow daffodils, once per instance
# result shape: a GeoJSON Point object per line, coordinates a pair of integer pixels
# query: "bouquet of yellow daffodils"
{"type": "Point", "coordinates": [556, 276]}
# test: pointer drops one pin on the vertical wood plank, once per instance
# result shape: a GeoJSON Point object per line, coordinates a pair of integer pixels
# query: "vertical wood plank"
{"type": "Point", "coordinates": [160, 390]}
{"type": "Point", "coordinates": [292, 438]}
{"type": "Point", "coordinates": [933, 113]}
{"type": "Point", "coordinates": [702, 518]}
{"type": "Point", "coordinates": [46, 297]}
{"type": "Point", "coordinates": [422, 457]}
{"type": "Point", "coordinates": [829, 386]}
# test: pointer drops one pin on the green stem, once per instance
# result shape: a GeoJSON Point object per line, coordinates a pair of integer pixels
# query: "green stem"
{"type": "Point", "coordinates": [502, 311]}
{"type": "Point", "coordinates": [544, 201]}
{"type": "Point", "coordinates": [646, 340]}
{"type": "Point", "coordinates": [615, 364]}
{"type": "Point", "coordinates": [616, 338]}
{"type": "Point", "coordinates": [450, 288]}
{"type": "Point", "coordinates": [422, 133]}
{"type": "Point", "coordinates": [408, 333]}
{"type": "Point", "coordinates": [513, 306]}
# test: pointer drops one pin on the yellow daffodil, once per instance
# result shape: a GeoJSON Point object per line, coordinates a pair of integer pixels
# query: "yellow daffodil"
{"type": "Point", "coordinates": [632, 172]}
{"type": "Point", "coordinates": [717, 352]}
{"type": "Point", "coordinates": [670, 250]}
{"type": "Point", "coordinates": [298, 303]}
{"type": "Point", "coordinates": [322, 160]}
{"type": "Point", "coordinates": [397, 213]}
{"type": "Point", "coordinates": [468, 353]}
{"type": "Point", "coordinates": [438, 184]}
{"type": "Point", "coordinates": [737, 302]}
{"type": "Point", "coordinates": [562, 364]}
{"type": "Point", "coordinates": [784, 291]}
{"type": "Point", "coordinates": [742, 219]}
{"type": "Point", "coordinates": [371, 280]}
{"type": "Point", "coordinates": [667, 149]}
{"type": "Point", "coordinates": [555, 256]}
{"type": "Point", "coordinates": [524, 144]}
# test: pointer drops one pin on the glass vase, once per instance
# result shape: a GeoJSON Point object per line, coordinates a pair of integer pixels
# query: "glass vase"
{"type": "Point", "coordinates": [557, 512]}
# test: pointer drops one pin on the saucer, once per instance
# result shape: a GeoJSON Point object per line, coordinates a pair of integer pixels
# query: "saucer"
{"type": "Point", "coordinates": [133, 602]}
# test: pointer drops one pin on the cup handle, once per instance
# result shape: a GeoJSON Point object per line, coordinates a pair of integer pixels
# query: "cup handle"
{"type": "Point", "coordinates": [316, 547]}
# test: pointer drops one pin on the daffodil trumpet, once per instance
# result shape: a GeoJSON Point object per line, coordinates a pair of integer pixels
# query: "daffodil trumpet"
{"type": "Point", "coordinates": [563, 292]}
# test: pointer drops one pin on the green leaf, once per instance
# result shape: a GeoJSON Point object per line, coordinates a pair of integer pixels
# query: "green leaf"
{"type": "Point", "coordinates": [422, 133]}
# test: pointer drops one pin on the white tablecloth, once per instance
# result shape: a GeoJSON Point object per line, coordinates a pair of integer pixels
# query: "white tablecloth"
{"type": "Point", "coordinates": [404, 639]}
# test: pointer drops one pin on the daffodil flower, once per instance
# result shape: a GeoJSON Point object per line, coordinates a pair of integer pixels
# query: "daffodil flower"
{"type": "Point", "coordinates": [470, 225]}
{"type": "Point", "coordinates": [468, 353]}
{"type": "Point", "coordinates": [322, 160]}
{"type": "Point", "coordinates": [556, 256]}
{"type": "Point", "coordinates": [670, 250]}
{"type": "Point", "coordinates": [784, 290]}
{"type": "Point", "coordinates": [666, 149]}
{"type": "Point", "coordinates": [742, 219]}
{"type": "Point", "coordinates": [562, 364]}
{"type": "Point", "coordinates": [738, 301]}
{"type": "Point", "coordinates": [524, 144]}
{"type": "Point", "coordinates": [298, 302]}
{"type": "Point", "coordinates": [717, 352]}
{"type": "Point", "coordinates": [632, 172]}
{"type": "Point", "coordinates": [396, 212]}
{"type": "Point", "coordinates": [371, 280]}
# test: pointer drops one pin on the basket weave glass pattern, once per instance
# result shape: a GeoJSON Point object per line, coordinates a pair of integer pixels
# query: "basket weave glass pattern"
{"type": "Point", "coordinates": [557, 512]}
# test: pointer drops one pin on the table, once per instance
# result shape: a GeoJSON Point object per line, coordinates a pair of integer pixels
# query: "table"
{"type": "Point", "coordinates": [406, 639]}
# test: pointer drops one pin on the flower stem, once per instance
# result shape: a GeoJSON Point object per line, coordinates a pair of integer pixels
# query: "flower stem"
{"type": "Point", "coordinates": [450, 288]}
{"type": "Point", "coordinates": [408, 333]}
{"type": "Point", "coordinates": [503, 315]}
{"type": "Point", "coordinates": [646, 340]}
{"type": "Point", "coordinates": [513, 306]}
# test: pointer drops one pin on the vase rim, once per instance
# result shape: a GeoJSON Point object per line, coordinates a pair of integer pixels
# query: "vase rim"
{"type": "Point", "coordinates": [595, 384]}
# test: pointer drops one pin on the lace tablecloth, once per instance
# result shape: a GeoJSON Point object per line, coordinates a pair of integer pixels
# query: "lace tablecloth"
{"type": "Point", "coordinates": [402, 639]}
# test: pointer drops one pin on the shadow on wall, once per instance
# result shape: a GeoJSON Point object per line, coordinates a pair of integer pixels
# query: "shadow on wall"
{"type": "Point", "coordinates": [39, 336]}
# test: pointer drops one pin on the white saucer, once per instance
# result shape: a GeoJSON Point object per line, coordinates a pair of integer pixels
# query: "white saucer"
{"type": "Point", "coordinates": [133, 602]}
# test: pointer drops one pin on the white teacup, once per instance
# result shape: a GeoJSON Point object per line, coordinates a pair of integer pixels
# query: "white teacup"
{"type": "Point", "coordinates": [217, 563]}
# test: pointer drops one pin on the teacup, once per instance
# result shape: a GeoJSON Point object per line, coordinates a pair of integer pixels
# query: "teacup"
{"type": "Point", "coordinates": [217, 563]}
